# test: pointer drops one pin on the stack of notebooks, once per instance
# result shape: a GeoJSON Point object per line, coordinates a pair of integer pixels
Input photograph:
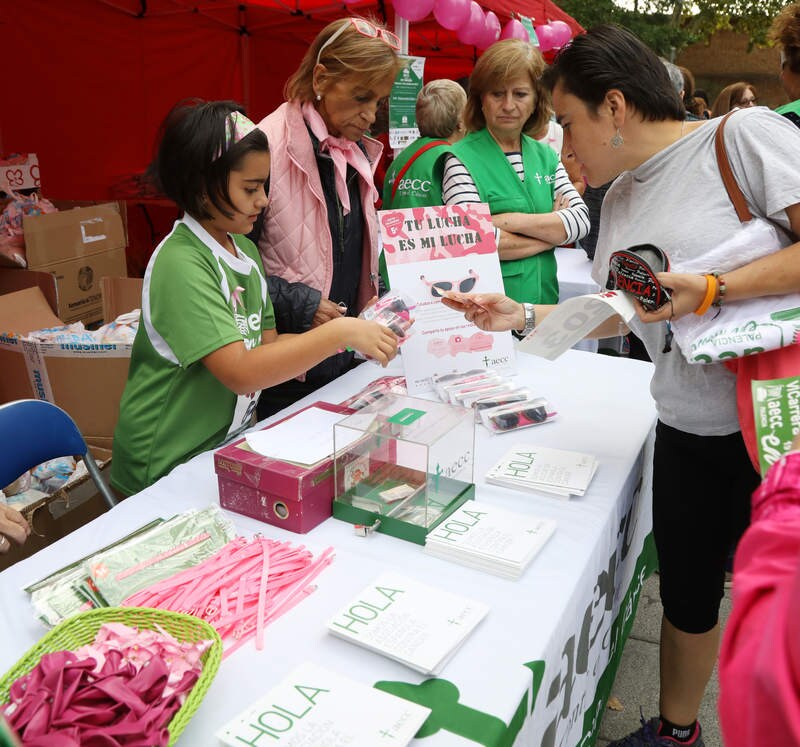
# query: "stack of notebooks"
{"type": "Point", "coordinates": [544, 470]}
{"type": "Point", "coordinates": [314, 707]}
{"type": "Point", "coordinates": [490, 539]}
{"type": "Point", "coordinates": [418, 625]}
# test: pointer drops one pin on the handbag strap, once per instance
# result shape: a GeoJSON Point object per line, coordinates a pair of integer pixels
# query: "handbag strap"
{"type": "Point", "coordinates": [427, 146]}
{"type": "Point", "coordinates": [728, 179]}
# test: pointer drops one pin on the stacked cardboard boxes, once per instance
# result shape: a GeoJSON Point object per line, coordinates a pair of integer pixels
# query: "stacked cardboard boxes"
{"type": "Point", "coordinates": [78, 245]}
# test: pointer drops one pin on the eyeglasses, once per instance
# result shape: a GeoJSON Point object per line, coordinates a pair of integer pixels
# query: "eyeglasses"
{"type": "Point", "coordinates": [365, 28]}
{"type": "Point", "coordinates": [440, 287]}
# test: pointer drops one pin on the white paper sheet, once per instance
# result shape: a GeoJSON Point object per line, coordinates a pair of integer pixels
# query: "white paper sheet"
{"type": "Point", "coordinates": [305, 438]}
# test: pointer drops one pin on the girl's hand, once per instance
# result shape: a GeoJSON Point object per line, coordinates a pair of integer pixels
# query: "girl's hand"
{"type": "Point", "coordinates": [491, 312]}
{"type": "Point", "coordinates": [12, 527]}
{"type": "Point", "coordinates": [687, 291]}
{"type": "Point", "coordinates": [369, 338]}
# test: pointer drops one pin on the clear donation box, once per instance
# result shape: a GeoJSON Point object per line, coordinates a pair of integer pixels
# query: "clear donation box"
{"type": "Point", "coordinates": [402, 465]}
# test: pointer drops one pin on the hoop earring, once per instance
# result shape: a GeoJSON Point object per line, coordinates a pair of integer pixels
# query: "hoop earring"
{"type": "Point", "coordinates": [617, 140]}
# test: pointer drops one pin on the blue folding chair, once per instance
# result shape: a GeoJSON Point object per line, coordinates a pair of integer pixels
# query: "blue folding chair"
{"type": "Point", "coordinates": [33, 431]}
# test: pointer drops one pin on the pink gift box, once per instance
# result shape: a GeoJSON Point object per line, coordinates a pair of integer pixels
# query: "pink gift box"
{"type": "Point", "coordinates": [291, 496]}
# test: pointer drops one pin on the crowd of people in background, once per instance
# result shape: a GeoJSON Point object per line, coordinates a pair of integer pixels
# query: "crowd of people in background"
{"type": "Point", "coordinates": [624, 141]}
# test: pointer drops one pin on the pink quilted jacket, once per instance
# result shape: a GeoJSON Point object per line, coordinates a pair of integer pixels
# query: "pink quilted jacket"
{"type": "Point", "coordinates": [296, 240]}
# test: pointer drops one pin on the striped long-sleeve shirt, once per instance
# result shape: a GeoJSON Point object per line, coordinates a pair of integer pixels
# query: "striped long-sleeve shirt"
{"type": "Point", "coordinates": [458, 187]}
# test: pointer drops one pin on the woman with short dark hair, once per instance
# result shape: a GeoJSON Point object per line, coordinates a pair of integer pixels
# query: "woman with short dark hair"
{"type": "Point", "coordinates": [624, 121]}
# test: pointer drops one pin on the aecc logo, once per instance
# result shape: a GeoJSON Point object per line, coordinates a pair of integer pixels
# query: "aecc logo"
{"type": "Point", "coordinates": [414, 185]}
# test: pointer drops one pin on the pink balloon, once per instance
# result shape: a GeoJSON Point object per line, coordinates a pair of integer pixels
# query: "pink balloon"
{"type": "Point", "coordinates": [514, 30]}
{"type": "Point", "coordinates": [472, 31]}
{"type": "Point", "coordinates": [545, 36]}
{"type": "Point", "coordinates": [451, 14]}
{"type": "Point", "coordinates": [491, 31]}
{"type": "Point", "coordinates": [413, 10]}
{"type": "Point", "coordinates": [562, 33]}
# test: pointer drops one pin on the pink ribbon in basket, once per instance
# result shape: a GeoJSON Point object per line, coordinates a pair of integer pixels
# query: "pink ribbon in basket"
{"type": "Point", "coordinates": [241, 589]}
{"type": "Point", "coordinates": [122, 689]}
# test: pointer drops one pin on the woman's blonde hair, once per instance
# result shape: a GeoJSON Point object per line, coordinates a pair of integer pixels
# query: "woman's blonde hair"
{"type": "Point", "coordinates": [785, 30]}
{"type": "Point", "coordinates": [730, 97]}
{"type": "Point", "coordinates": [500, 63]}
{"type": "Point", "coordinates": [351, 54]}
{"type": "Point", "coordinates": [439, 107]}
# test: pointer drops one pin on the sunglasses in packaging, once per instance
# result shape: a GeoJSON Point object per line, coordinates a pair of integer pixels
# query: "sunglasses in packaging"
{"type": "Point", "coordinates": [474, 378]}
{"type": "Point", "coordinates": [498, 399]}
{"type": "Point", "coordinates": [457, 394]}
{"type": "Point", "coordinates": [392, 310]}
{"type": "Point", "coordinates": [376, 390]}
{"type": "Point", "coordinates": [519, 415]}
{"type": "Point", "coordinates": [467, 399]}
{"type": "Point", "coordinates": [633, 270]}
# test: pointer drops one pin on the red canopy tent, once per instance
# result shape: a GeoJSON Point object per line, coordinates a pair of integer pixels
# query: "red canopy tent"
{"type": "Point", "coordinates": [90, 80]}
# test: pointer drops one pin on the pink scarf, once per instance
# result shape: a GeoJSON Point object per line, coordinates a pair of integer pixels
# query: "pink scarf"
{"type": "Point", "coordinates": [343, 152]}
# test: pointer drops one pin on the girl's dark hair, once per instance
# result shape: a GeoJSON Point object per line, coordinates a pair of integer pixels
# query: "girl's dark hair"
{"type": "Point", "coordinates": [607, 57]}
{"type": "Point", "coordinates": [193, 160]}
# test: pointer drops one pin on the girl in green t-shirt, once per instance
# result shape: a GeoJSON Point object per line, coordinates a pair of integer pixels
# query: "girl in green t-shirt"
{"type": "Point", "coordinates": [207, 343]}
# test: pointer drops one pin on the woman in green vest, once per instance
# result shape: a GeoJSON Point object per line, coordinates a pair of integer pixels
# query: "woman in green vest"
{"type": "Point", "coordinates": [440, 119]}
{"type": "Point", "coordinates": [785, 32]}
{"type": "Point", "coordinates": [534, 205]}
{"type": "Point", "coordinates": [415, 177]}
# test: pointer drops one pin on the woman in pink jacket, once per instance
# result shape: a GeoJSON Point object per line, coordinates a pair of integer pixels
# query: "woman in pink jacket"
{"type": "Point", "coordinates": [318, 237]}
{"type": "Point", "coordinates": [759, 663]}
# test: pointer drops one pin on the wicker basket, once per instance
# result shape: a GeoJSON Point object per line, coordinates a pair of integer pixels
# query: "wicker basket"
{"type": "Point", "coordinates": [82, 628]}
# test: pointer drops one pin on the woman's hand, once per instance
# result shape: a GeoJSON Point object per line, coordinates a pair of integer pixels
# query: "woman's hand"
{"type": "Point", "coordinates": [370, 338]}
{"type": "Point", "coordinates": [12, 527]}
{"type": "Point", "coordinates": [491, 312]}
{"type": "Point", "coordinates": [561, 202]}
{"type": "Point", "coordinates": [326, 311]}
{"type": "Point", "coordinates": [687, 292]}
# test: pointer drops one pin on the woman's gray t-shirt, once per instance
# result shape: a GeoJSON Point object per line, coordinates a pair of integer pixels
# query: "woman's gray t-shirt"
{"type": "Point", "coordinates": [677, 201]}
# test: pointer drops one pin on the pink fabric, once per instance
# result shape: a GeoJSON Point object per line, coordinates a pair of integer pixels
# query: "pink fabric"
{"type": "Point", "coordinates": [759, 665]}
{"type": "Point", "coordinates": [296, 240]}
{"type": "Point", "coordinates": [343, 152]}
{"type": "Point", "coordinates": [123, 689]}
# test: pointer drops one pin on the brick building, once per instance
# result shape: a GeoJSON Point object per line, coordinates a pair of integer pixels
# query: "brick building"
{"type": "Point", "coordinates": [724, 59]}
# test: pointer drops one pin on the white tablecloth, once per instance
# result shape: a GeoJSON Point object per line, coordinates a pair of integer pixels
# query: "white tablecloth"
{"type": "Point", "coordinates": [575, 279]}
{"type": "Point", "coordinates": [548, 636]}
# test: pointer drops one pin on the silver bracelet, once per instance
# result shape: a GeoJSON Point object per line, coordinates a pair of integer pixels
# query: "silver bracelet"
{"type": "Point", "coordinates": [530, 319]}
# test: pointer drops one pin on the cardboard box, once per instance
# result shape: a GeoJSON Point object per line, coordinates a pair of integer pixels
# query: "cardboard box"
{"type": "Point", "coordinates": [85, 380]}
{"type": "Point", "coordinates": [78, 245]}
{"type": "Point", "coordinates": [120, 295]}
{"type": "Point", "coordinates": [21, 172]}
{"type": "Point", "coordinates": [78, 229]}
{"type": "Point", "coordinates": [286, 495]}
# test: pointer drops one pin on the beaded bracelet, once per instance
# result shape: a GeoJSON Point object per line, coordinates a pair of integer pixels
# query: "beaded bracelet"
{"type": "Point", "coordinates": [711, 291]}
{"type": "Point", "coordinates": [722, 288]}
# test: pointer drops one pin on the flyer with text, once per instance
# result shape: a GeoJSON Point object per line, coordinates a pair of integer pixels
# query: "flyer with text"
{"type": "Point", "coordinates": [430, 251]}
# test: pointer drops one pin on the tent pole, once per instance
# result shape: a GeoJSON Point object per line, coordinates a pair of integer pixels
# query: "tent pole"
{"type": "Point", "coordinates": [401, 29]}
{"type": "Point", "coordinates": [244, 48]}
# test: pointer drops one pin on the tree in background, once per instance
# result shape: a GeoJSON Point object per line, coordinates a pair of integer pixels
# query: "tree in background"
{"type": "Point", "coordinates": [667, 26]}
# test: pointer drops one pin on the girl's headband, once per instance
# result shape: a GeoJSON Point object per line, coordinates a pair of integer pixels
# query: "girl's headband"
{"type": "Point", "coordinates": [237, 126]}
